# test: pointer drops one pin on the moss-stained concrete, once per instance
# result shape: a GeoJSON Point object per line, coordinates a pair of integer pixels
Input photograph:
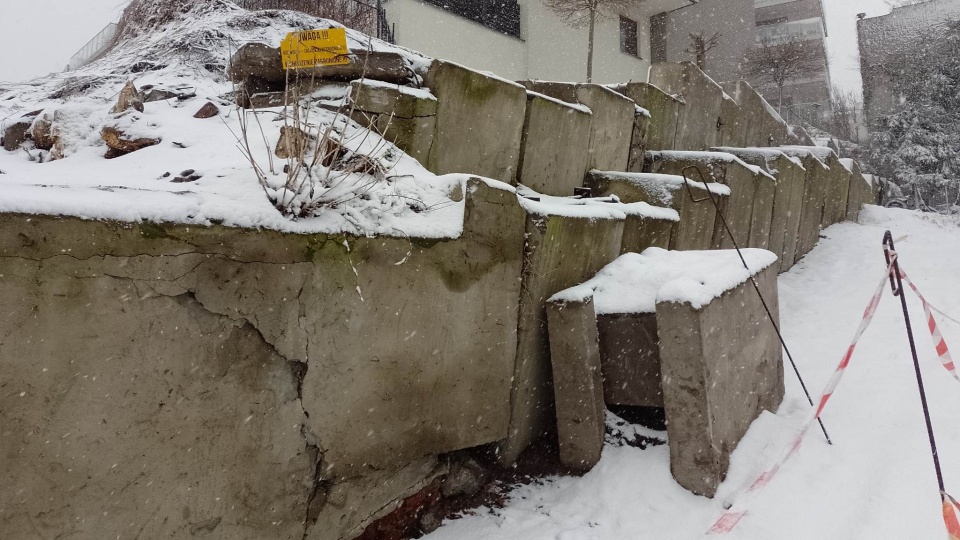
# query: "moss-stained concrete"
{"type": "Point", "coordinates": [694, 230]}
{"type": "Point", "coordinates": [168, 380]}
{"type": "Point", "coordinates": [560, 252]}
{"type": "Point", "coordinates": [666, 112]}
{"type": "Point", "coordinates": [759, 121]}
{"type": "Point", "coordinates": [554, 151]}
{"type": "Point", "coordinates": [699, 127]}
{"type": "Point", "coordinates": [478, 124]}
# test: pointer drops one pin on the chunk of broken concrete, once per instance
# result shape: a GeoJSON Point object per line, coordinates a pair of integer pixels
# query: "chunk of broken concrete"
{"type": "Point", "coordinates": [209, 110]}
{"type": "Point", "coordinates": [129, 98]}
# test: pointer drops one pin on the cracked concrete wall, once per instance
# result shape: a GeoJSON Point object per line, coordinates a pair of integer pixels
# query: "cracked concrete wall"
{"type": "Point", "coordinates": [172, 380]}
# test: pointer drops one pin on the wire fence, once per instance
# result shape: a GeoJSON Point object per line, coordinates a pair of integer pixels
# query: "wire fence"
{"type": "Point", "coordinates": [94, 48]}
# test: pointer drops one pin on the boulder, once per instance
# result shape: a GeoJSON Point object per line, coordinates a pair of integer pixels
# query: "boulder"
{"type": "Point", "coordinates": [42, 132]}
{"type": "Point", "coordinates": [293, 142]}
{"type": "Point", "coordinates": [120, 144]}
{"type": "Point", "coordinates": [129, 98]}
{"type": "Point", "coordinates": [209, 110]}
{"type": "Point", "coordinates": [15, 135]}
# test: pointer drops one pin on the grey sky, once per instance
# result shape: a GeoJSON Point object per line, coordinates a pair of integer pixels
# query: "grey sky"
{"type": "Point", "coordinates": [39, 36]}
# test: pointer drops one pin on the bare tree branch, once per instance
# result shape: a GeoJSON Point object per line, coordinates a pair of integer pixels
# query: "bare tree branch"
{"type": "Point", "coordinates": [780, 62]}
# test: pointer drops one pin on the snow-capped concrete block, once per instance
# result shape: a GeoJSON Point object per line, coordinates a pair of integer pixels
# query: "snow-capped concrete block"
{"type": "Point", "coordinates": [406, 116]}
{"type": "Point", "coordinates": [760, 122]}
{"type": "Point", "coordinates": [720, 359]}
{"type": "Point", "coordinates": [564, 247]}
{"type": "Point", "coordinates": [861, 190]}
{"type": "Point", "coordinates": [480, 119]}
{"type": "Point", "coordinates": [554, 150]}
{"type": "Point", "coordinates": [577, 381]}
{"type": "Point", "coordinates": [693, 230]}
{"type": "Point", "coordinates": [738, 208]}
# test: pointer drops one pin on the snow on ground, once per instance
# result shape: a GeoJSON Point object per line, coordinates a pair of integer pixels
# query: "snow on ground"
{"type": "Point", "coordinates": [875, 482]}
{"type": "Point", "coordinates": [189, 55]}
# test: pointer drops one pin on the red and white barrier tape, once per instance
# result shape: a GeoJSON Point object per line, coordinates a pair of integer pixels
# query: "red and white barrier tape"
{"type": "Point", "coordinates": [950, 507]}
{"type": "Point", "coordinates": [735, 513]}
{"type": "Point", "coordinates": [938, 342]}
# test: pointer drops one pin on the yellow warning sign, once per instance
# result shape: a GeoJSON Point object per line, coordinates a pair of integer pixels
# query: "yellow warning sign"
{"type": "Point", "coordinates": [311, 48]}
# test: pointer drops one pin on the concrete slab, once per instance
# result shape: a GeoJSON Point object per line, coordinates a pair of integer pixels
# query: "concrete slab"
{"type": "Point", "coordinates": [738, 208]}
{"type": "Point", "coordinates": [721, 366]}
{"type": "Point", "coordinates": [814, 198]}
{"type": "Point", "coordinates": [577, 382]}
{"type": "Point", "coordinates": [861, 190]}
{"type": "Point", "coordinates": [699, 128]}
{"type": "Point", "coordinates": [554, 150]}
{"type": "Point", "coordinates": [407, 117]}
{"type": "Point", "coordinates": [762, 124]}
{"type": "Point", "coordinates": [479, 122]}
{"type": "Point", "coordinates": [694, 230]}
{"type": "Point", "coordinates": [561, 251]}
{"type": "Point", "coordinates": [612, 124]}
{"type": "Point", "coordinates": [665, 111]}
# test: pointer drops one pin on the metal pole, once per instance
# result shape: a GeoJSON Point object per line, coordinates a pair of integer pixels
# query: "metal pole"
{"type": "Point", "coordinates": [756, 287]}
{"type": "Point", "coordinates": [897, 284]}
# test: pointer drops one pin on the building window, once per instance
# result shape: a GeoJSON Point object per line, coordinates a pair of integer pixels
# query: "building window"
{"type": "Point", "coordinates": [629, 37]}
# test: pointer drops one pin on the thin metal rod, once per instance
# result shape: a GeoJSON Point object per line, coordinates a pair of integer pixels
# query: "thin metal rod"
{"type": "Point", "coordinates": [756, 287]}
{"type": "Point", "coordinates": [896, 282]}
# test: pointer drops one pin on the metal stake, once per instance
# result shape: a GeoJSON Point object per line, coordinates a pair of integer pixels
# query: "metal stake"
{"type": "Point", "coordinates": [896, 283]}
{"type": "Point", "coordinates": [756, 287]}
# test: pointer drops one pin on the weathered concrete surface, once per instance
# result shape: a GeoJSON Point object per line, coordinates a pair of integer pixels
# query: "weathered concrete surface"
{"type": "Point", "coordinates": [761, 124]}
{"type": "Point", "coordinates": [738, 207]}
{"type": "Point", "coordinates": [788, 198]}
{"type": "Point", "coordinates": [554, 150]}
{"type": "Point", "coordinates": [641, 231]}
{"type": "Point", "coordinates": [734, 124]}
{"type": "Point", "coordinates": [612, 123]}
{"type": "Point", "coordinates": [861, 192]}
{"type": "Point", "coordinates": [769, 221]}
{"type": "Point", "coordinates": [479, 122]}
{"type": "Point", "coordinates": [838, 187]}
{"type": "Point", "coordinates": [814, 198]}
{"type": "Point", "coordinates": [577, 382]}
{"type": "Point", "coordinates": [666, 112]}
{"type": "Point", "coordinates": [406, 118]}
{"type": "Point", "coordinates": [694, 230]}
{"type": "Point", "coordinates": [699, 127]}
{"type": "Point", "coordinates": [638, 142]}
{"type": "Point", "coordinates": [630, 359]}
{"type": "Point", "coordinates": [243, 378]}
{"type": "Point", "coordinates": [721, 368]}
{"type": "Point", "coordinates": [560, 252]}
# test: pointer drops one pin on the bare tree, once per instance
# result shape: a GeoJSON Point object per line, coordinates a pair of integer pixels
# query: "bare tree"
{"type": "Point", "coordinates": [580, 13]}
{"type": "Point", "coordinates": [846, 114]}
{"type": "Point", "coordinates": [700, 45]}
{"type": "Point", "coordinates": [779, 62]}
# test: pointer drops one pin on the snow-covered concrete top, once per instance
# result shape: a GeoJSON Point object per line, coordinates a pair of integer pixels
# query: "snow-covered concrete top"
{"type": "Point", "coordinates": [663, 186]}
{"type": "Point", "coordinates": [706, 157]}
{"type": "Point", "coordinates": [420, 93]}
{"type": "Point", "coordinates": [801, 152]}
{"type": "Point", "coordinates": [576, 106]}
{"type": "Point", "coordinates": [593, 208]}
{"type": "Point", "coordinates": [821, 152]}
{"type": "Point", "coordinates": [636, 283]}
{"type": "Point", "coordinates": [759, 152]}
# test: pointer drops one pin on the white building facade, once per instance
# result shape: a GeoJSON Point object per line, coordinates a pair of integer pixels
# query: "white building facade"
{"type": "Point", "coordinates": [523, 39]}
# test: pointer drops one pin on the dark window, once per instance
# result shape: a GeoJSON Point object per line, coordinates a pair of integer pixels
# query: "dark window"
{"type": "Point", "coordinates": [779, 20]}
{"type": "Point", "coordinates": [658, 38]}
{"type": "Point", "coordinates": [500, 15]}
{"type": "Point", "coordinates": [629, 37]}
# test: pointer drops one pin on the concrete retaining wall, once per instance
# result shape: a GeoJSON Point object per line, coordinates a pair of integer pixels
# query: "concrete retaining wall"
{"type": "Point", "coordinates": [287, 386]}
{"type": "Point", "coordinates": [761, 124]}
{"type": "Point", "coordinates": [861, 192]}
{"type": "Point", "coordinates": [407, 118]}
{"type": "Point", "coordinates": [814, 199]}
